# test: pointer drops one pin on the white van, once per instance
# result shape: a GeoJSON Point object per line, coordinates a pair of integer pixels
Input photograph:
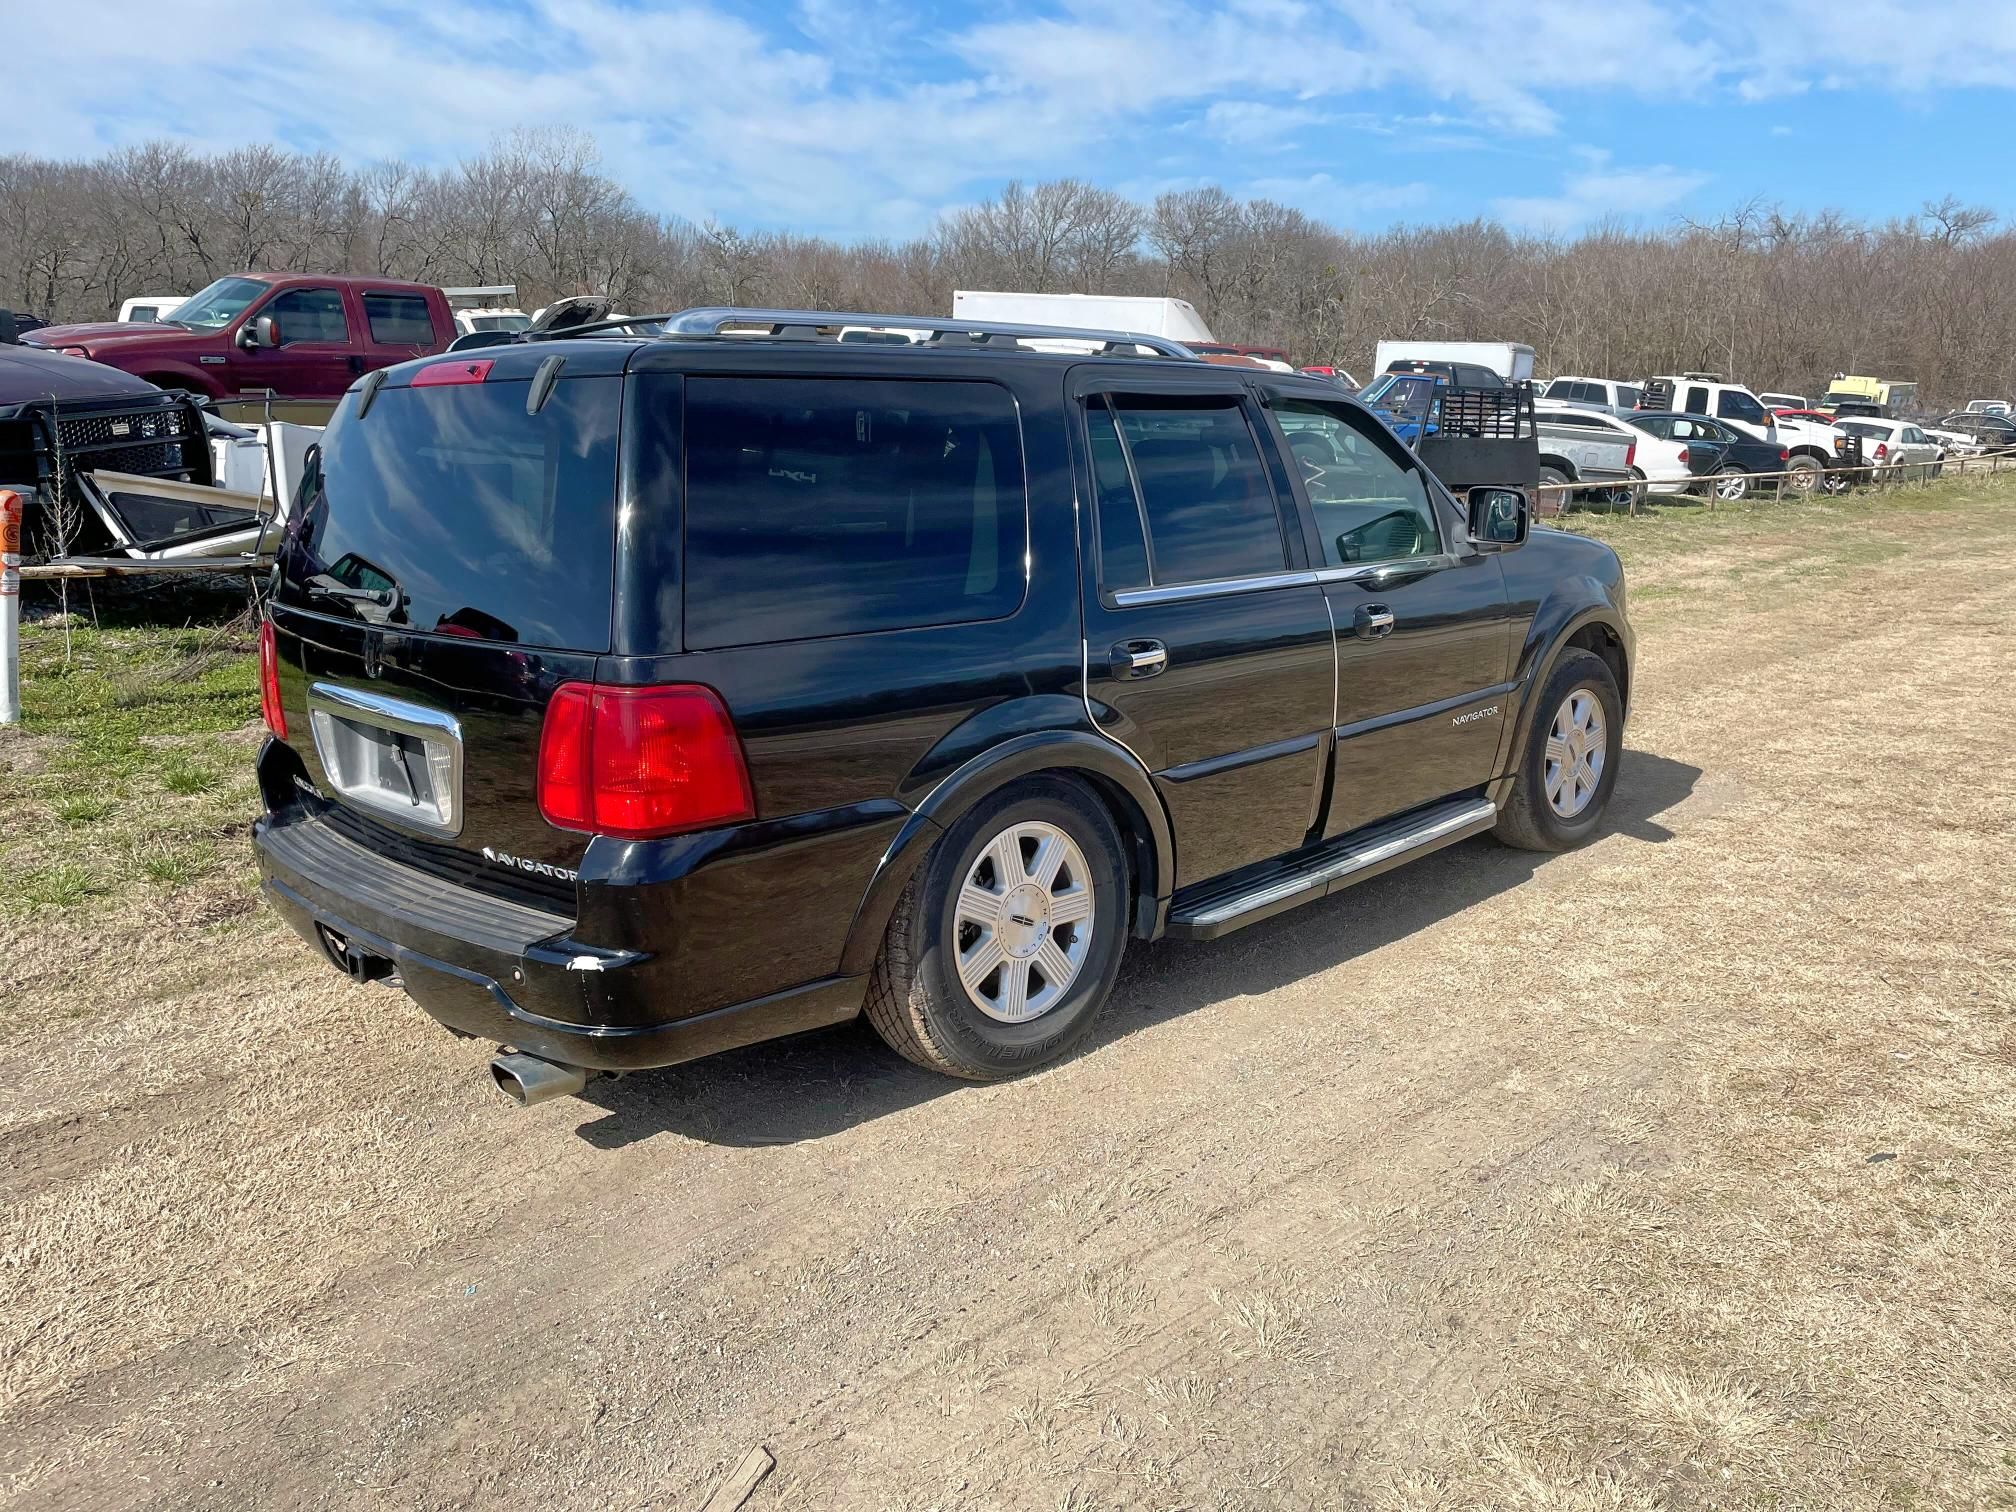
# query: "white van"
{"type": "Point", "coordinates": [1140, 315]}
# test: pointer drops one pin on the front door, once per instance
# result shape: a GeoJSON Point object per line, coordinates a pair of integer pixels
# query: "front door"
{"type": "Point", "coordinates": [315, 358]}
{"type": "Point", "coordinates": [1208, 642]}
{"type": "Point", "coordinates": [1424, 630]}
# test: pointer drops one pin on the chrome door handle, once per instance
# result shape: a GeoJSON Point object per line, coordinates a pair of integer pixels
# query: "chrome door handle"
{"type": "Point", "coordinates": [1373, 622]}
{"type": "Point", "coordinates": [1139, 658]}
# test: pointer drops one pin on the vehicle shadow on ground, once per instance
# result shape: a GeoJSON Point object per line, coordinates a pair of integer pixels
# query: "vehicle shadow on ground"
{"type": "Point", "coordinates": [822, 1083]}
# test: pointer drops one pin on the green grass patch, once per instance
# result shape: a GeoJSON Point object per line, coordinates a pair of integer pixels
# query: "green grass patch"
{"type": "Point", "coordinates": [63, 885]}
{"type": "Point", "coordinates": [80, 809]}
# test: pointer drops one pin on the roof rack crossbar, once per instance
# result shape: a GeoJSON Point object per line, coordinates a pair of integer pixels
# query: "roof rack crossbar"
{"type": "Point", "coordinates": [804, 325]}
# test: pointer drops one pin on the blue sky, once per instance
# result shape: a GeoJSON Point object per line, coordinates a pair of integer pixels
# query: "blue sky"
{"type": "Point", "coordinates": [857, 118]}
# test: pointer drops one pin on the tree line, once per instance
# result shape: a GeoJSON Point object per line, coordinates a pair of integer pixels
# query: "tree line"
{"type": "Point", "coordinates": [1777, 299]}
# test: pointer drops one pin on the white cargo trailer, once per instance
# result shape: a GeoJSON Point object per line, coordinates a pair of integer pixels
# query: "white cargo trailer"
{"type": "Point", "coordinates": [1139, 315]}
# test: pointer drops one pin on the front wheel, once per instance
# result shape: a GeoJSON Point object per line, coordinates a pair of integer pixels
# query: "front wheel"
{"type": "Point", "coordinates": [1006, 942]}
{"type": "Point", "coordinates": [1569, 767]}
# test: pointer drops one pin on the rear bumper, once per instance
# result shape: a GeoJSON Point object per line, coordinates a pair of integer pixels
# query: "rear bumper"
{"type": "Point", "coordinates": [493, 969]}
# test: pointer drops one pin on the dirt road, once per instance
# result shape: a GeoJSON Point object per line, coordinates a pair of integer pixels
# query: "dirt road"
{"type": "Point", "coordinates": [1672, 1172]}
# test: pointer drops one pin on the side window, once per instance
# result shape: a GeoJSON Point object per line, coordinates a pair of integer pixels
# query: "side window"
{"type": "Point", "coordinates": [309, 315]}
{"type": "Point", "coordinates": [1697, 401]}
{"type": "Point", "coordinates": [1123, 542]}
{"type": "Point", "coordinates": [1478, 377]}
{"type": "Point", "coordinates": [1734, 404]}
{"type": "Point", "coordinates": [1561, 388]}
{"type": "Point", "coordinates": [1663, 429]}
{"type": "Point", "coordinates": [833, 506]}
{"type": "Point", "coordinates": [1627, 396]}
{"type": "Point", "coordinates": [1368, 507]}
{"type": "Point", "coordinates": [1209, 509]}
{"type": "Point", "coordinates": [1684, 430]}
{"type": "Point", "coordinates": [399, 320]}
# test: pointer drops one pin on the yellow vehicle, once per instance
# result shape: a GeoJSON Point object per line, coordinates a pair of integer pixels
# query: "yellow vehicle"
{"type": "Point", "coordinates": [1891, 397]}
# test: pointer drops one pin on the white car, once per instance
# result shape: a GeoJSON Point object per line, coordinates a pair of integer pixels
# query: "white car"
{"type": "Point", "coordinates": [1661, 465]}
{"type": "Point", "coordinates": [1953, 443]}
{"type": "Point", "coordinates": [492, 318]}
{"type": "Point", "coordinates": [150, 309]}
{"type": "Point", "coordinates": [1895, 446]}
{"type": "Point", "coordinates": [1989, 407]}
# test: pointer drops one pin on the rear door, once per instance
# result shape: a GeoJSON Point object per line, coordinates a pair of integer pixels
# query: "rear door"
{"type": "Point", "coordinates": [1423, 625]}
{"type": "Point", "coordinates": [449, 567]}
{"type": "Point", "coordinates": [398, 326]}
{"type": "Point", "coordinates": [1208, 647]}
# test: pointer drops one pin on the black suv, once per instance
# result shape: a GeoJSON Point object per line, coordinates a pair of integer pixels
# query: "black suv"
{"type": "Point", "coordinates": [636, 699]}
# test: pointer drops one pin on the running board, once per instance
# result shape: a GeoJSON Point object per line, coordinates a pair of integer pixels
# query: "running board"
{"type": "Point", "coordinates": [1214, 908]}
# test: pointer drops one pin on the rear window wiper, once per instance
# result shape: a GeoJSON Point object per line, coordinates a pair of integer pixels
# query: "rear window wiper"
{"type": "Point", "coordinates": [384, 598]}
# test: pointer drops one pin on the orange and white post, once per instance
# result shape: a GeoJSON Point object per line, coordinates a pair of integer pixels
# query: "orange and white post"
{"type": "Point", "coordinates": [12, 508]}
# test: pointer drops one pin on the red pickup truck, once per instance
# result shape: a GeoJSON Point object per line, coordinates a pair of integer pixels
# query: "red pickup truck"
{"type": "Point", "coordinates": [294, 335]}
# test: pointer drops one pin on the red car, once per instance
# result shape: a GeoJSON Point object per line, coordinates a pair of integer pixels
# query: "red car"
{"type": "Point", "coordinates": [293, 335]}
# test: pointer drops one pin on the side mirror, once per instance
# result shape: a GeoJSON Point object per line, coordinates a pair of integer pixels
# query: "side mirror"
{"type": "Point", "coordinates": [1499, 516]}
{"type": "Point", "coordinates": [262, 332]}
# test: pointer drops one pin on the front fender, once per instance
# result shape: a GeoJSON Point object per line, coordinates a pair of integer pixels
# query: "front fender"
{"type": "Point", "coordinates": [1571, 605]}
{"type": "Point", "coordinates": [1073, 751]}
{"type": "Point", "coordinates": [186, 374]}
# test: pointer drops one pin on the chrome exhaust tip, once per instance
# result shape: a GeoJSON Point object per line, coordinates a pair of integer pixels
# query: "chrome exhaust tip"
{"type": "Point", "coordinates": [526, 1079]}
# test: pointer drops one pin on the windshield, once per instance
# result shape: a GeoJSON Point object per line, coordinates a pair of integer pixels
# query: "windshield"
{"type": "Point", "coordinates": [500, 322]}
{"type": "Point", "coordinates": [1402, 393]}
{"type": "Point", "coordinates": [217, 306]}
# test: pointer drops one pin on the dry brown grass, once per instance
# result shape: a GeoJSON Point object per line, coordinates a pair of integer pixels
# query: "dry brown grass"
{"type": "Point", "coordinates": [1674, 1173]}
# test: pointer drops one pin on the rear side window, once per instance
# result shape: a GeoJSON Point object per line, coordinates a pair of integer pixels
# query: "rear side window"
{"type": "Point", "coordinates": [833, 506]}
{"type": "Point", "coordinates": [452, 511]}
{"type": "Point", "coordinates": [399, 319]}
{"type": "Point", "coordinates": [1697, 401]}
{"type": "Point", "coordinates": [1627, 396]}
{"type": "Point", "coordinates": [1123, 542]}
{"type": "Point", "coordinates": [1204, 493]}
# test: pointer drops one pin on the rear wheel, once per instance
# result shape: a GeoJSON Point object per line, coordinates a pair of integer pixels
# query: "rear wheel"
{"type": "Point", "coordinates": [1732, 484]}
{"type": "Point", "coordinates": [1569, 766]}
{"type": "Point", "coordinates": [1805, 475]}
{"type": "Point", "coordinates": [1556, 502]}
{"type": "Point", "coordinates": [1006, 942]}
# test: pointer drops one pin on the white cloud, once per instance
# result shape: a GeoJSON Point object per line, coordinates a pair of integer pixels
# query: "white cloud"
{"type": "Point", "coordinates": [1256, 123]}
{"type": "Point", "coordinates": [1600, 192]}
{"type": "Point", "coordinates": [1341, 204]}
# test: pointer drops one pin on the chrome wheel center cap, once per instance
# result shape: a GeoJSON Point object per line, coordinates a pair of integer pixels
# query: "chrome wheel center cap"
{"type": "Point", "coordinates": [1025, 920]}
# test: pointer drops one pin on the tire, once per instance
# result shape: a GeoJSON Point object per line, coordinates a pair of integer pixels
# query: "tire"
{"type": "Point", "coordinates": [1554, 503]}
{"type": "Point", "coordinates": [917, 999]}
{"type": "Point", "coordinates": [1805, 475]}
{"type": "Point", "coordinates": [1732, 485]}
{"type": "Point", "coordinates": [1530, 820]}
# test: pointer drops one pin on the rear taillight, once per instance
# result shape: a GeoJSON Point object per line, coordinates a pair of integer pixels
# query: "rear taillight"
{"type": "Point", "coordinates": [1683, 456]}
{"type": "Point", "coordinates": [1784, 455]}
{"type": "Point", "coordinates": [639, 763]}
{"type": "Point", "coordinates": [269, 682]}
{"type": "Point", "coordinates": [1882, 450]}
{"type": "Point", "coordinates": [1631, 454]}
{"type": "Point", "coordinates": [73, 351]}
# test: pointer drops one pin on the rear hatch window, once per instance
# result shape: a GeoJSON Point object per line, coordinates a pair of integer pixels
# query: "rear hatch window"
{"type": "Point", "coordinates": [449, 510]}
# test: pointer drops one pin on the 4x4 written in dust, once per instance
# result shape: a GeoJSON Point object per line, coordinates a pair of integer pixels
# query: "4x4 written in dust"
{"type": "Point", "coordinates": [632, 699]}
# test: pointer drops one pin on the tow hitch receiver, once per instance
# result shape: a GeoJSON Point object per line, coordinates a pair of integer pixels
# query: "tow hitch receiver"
{"type": "Point", "coordinates": [358, 965]}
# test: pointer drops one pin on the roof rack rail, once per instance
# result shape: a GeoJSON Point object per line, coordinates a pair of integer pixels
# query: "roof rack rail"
{"type": "Point", "coordinates": [807, 325]}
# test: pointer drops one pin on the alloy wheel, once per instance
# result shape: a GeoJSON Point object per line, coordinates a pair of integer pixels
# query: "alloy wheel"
{"type": "Point", "coordinates": [1023, 922]}
{"type": "Point", "coordinates": [1577, 747]}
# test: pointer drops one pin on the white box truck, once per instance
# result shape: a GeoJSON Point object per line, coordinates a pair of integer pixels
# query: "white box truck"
{"type": "Point", "coordinates": [1512, 361]}
{"type": "Point", "coordinates": [1140, 315]}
